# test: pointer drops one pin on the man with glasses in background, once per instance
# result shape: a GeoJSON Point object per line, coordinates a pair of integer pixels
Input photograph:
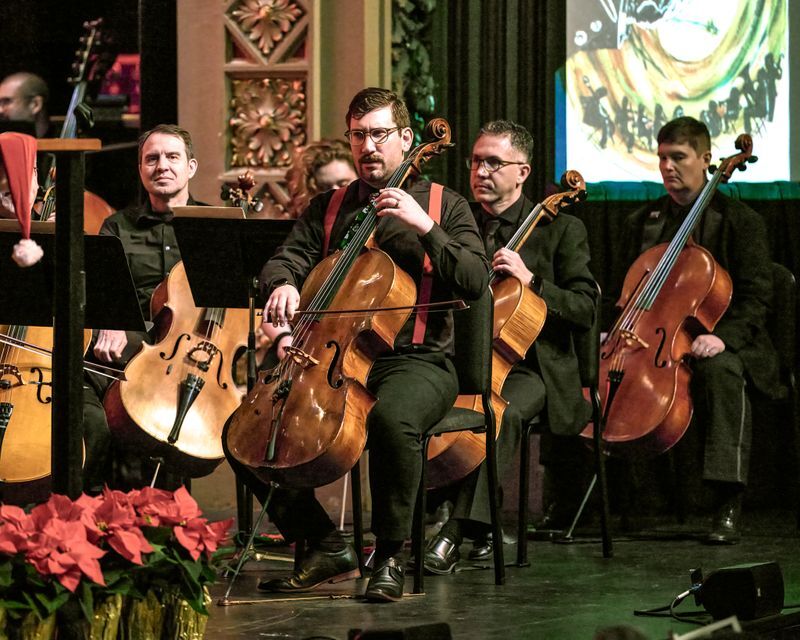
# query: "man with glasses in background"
{"type": "Point", "coordinates": [554, 263]}
{"type": "Point", "coordinates": [415, 383]}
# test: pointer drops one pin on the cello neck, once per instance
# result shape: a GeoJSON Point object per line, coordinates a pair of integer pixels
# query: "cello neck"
{"type": "Point", "coordinates": [651, 289]}
{"type": "Point", "coordinates": [521, 235]}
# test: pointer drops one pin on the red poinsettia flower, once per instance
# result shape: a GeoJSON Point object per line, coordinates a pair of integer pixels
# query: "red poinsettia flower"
{"type": "Point", "coordinates": [197, 535]}
{"type": "Point", "coordinates": [62, 550]}
{"type": "Point", "coordinates": [116, 519]}
{"type": "Point", "coordinates": [169, 509]}
{"type": "Point", "coordinates": [16, 527]}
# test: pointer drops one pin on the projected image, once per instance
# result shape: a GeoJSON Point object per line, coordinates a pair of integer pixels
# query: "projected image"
{"type": "Point", "coordinates": [633, 65]}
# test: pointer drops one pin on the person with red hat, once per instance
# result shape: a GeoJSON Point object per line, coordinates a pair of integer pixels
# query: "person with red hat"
{"type": "Point", "coordinates": [18, 187]}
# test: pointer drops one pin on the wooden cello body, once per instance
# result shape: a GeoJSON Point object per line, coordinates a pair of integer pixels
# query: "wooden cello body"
{"type": "Point", "coordinates": [304, 422]}
{"type": "Point", "coordinates": [180, 391]}
{"type": "Point", "coordinates": [316, 432]}
{"type": "Point", "coordinates": [671, 294]}
{"type": "Point", "coordinates": [652, 405]}
{"type": "Point", "coordinates": [26, 412]}
{"type": "Point", "coordinates": [519, 315]}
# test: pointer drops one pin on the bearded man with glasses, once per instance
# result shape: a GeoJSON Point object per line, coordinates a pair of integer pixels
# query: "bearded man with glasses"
{"type": "Point", "coordinates": [554, 263]}
{"type": "Point", "coordinates": [415, 384]}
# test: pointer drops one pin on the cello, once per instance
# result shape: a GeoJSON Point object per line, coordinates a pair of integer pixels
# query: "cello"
{"type": "Point", "coordinates": [671, 293]}
{"type": "Point", "coordinates": [519, 315]}
{"type": "Point", "coordinates": [304, 422]}
{"type": "Point", "coordinates": [87, 67]}
{"type": "Point", "coordinates": [180, 390]}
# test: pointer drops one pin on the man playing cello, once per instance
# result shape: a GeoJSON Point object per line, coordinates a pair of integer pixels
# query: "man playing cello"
{"type": "Point", "coordinates": [415, 384]}
{"type": "Point", "coordinates": [554, 263]}
{"type": "Point", "coordinates": [738, 349]}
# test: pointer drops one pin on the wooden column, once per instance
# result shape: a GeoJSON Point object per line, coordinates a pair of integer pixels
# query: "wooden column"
{"type": "Point", "coordinates": [69, 302]}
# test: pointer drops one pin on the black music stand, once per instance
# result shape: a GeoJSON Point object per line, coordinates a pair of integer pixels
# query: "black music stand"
{"type": "Point", "coordinates": [27, 299]}
{"type": "Point", "coordinates": [223, 254]}
{"type": "Point", "coordinates": [111, 303]}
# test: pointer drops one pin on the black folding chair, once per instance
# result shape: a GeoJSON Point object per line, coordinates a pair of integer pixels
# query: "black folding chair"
{"type": "Point", "coordinates": [473, 362]}
{"type": "Point", "coordinates": [587, 348]}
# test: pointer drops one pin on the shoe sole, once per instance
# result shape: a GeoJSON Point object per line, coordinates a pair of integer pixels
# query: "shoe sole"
{"type": "Point", "coordinates": [441, 572]}
{"type": "Point", "coordinates": [342, 577]}
{"type": "Point", "coordinates": [381, 597]}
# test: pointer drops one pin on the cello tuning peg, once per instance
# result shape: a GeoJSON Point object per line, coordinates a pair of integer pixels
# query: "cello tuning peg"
{"type": "Point", "coordinates": [752, 159]}
{"type": "Point", "coordinates": [741, 167]}
{"type": "Point", "coordinates": [712, 169]}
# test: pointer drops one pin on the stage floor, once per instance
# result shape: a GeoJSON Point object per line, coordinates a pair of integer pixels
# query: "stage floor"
{"type": "Point", "coordinates": [569, 591]}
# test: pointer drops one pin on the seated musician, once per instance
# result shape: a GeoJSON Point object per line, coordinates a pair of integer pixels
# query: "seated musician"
{"type": "Point", "coordinates": [554, 262]}
{"type": "Point", "coordinates": [23, 96]}
{"type": "Point", "coordinates": [415, 384]}
{"type": "Point", "coordinates": [166, 164]}
{"type": "Point", "coordinates": [316, 168]}
{"type": "Point", "coordinates": [738, 349]}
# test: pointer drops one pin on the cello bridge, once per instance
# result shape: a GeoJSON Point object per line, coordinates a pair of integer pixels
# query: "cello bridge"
{"type": "Point", "coordinates": [632, 340]}
{"type": "Point", "coordinates": [12, 371]}
{"type": "Point", "coordinates": [300, 357]}
{"type": "Point", "coordinates": [203, 354]}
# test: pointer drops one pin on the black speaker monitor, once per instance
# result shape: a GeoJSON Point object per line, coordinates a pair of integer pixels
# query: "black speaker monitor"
{"type": "Point", "coordinates": [748, 591]}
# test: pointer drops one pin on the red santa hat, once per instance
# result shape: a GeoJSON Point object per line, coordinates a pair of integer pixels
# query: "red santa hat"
{"type": "Point", "coordinates": [18, 152]}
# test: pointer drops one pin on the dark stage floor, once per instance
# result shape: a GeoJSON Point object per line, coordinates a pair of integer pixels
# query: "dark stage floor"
{"type": "Point", "coordinates": [569, 591]}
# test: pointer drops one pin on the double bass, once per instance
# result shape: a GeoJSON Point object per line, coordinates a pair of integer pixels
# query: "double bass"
{"type": "Point", "coordinates": [519, 315]}
{"type": "Point", "coordinates": [304, 422]}
{"type": "Point", "coordinates": [89, 66]}
{"type": "Point", "coordinates": [671, 293]}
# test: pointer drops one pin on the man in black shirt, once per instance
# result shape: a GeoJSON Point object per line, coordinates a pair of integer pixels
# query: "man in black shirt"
{"type": "Point", "coordinates": [554, 263]}
{"type": "Point", "coordinates": [738, 347]}
{"type": "Point", "coordinates": [166, 164]}
{"type": "Point", "coordinates": [415, 383]}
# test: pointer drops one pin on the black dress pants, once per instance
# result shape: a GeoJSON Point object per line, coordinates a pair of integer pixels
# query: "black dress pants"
{"type": "Point", "coordinates": [413, 391]}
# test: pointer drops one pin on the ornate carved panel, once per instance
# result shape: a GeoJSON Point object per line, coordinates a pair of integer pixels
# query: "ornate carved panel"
{"type": "Point", "coordinates": [267, 77]}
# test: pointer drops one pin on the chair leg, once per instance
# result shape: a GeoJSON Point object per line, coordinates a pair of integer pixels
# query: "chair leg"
{"type": "Point", "coordinates": [494, 503]}
{"type": "Point", "coordinates": [600, 470]}
{"type": "Point", "coordinates": [524, 491]}
{"type": "Point", "coordinates": [358, 516]}
{"type": "Point", "coordinates": [418, 531]}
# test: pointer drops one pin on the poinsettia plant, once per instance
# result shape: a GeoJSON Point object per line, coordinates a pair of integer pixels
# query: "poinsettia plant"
{"type": "Point", "coordinates": [92, 547]}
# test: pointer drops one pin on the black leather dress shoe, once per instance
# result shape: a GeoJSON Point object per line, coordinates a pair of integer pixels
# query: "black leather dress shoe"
{"type": "Point", "coordinates": [725, 527]}
{"type": "Point", "coordinates": [482, 549]}
{"type": "Point", "coordinates": [386, 583]}
{"type": "Point", "coordinates": [315, 569]}
{"type": "Point", "coordinates": [441, 556]}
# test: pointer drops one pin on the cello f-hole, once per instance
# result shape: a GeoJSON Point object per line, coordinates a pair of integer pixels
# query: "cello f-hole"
{"type": "Point", "coordinates": [332, 344]}
{"type": "Point", "coordinates": [40, 383]}
{"type": "Point", "coordinates": [658, 361]}
{"type": "Point", "coordinates": [183, 336]}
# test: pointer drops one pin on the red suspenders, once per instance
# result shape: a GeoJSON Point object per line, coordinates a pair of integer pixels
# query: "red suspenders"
{"type": "Point", "coordinates": [426, 285]}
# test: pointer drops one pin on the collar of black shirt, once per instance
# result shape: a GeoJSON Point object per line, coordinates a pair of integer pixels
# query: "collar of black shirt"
{"type": "Point", "coordinates": [146, 216]}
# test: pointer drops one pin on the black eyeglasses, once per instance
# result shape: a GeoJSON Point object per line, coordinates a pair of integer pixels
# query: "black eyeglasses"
{"type": "Point", "coordinates": [379, 136]}
{"type": "Point", "coordinates": [490, 165]}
